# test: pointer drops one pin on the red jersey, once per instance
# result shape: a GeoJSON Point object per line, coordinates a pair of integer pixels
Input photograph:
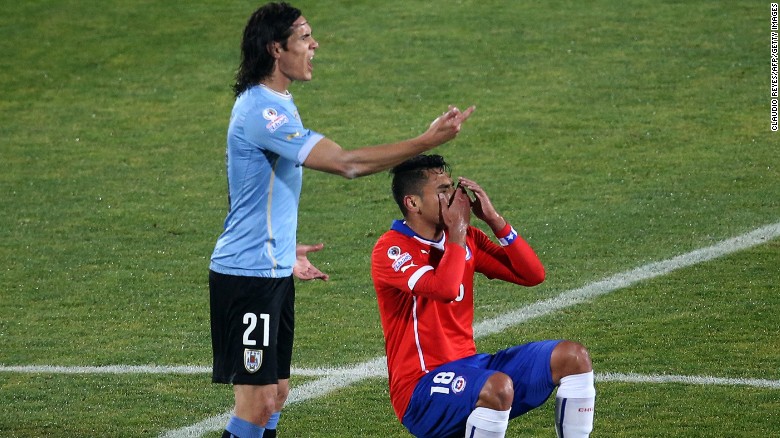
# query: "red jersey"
{"type": "Point", "coordinates": [426, 299]}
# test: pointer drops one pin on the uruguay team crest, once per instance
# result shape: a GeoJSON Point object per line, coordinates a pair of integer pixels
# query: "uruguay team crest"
{"type": "Point", "coordinates": [253, 359]}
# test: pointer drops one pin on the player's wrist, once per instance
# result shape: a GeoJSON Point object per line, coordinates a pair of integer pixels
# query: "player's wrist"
{"type": "Point", "coordinates": [457, 236]}
{"type": "Point", "coordinates": [425, 141]}
{"type": "Point", "coordinates": [506, 235]}
{"type": "Point", "coordinates": [457, 242]}
{"type": "Point", "coordinates": [498, 224]}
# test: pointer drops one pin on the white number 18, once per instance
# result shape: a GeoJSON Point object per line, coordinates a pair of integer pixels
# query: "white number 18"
{"type": "Point", "coordinates": [444, 379]}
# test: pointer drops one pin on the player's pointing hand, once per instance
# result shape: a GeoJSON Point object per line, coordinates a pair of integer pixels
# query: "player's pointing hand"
{"type": "Point", "coordinates": [448, 125]}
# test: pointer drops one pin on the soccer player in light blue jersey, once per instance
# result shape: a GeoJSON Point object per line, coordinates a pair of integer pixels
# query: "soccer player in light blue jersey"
{"type": "Point", "coordinates": [252, 267]}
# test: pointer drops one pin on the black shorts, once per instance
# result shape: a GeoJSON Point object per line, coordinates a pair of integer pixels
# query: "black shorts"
{"type": "Point", "coordinates": [252, 327]}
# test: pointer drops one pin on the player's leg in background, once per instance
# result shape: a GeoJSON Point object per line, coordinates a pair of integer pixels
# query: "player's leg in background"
{"type": "Point", "coordinates": [270, 427]}
{"type": "Point", "coordinates": [281, 397]}
{"type": "Point", "coordinates": [576, 396]}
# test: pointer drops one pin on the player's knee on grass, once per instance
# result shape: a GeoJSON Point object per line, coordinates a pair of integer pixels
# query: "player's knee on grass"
{"type": "Point", "coordinates": [569, 358]}
{"type": "Point", "coordinates": [497, 393]}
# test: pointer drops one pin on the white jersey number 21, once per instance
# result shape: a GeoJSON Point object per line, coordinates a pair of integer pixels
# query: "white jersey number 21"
{"type": "Point", "coordinates": [251, 320]}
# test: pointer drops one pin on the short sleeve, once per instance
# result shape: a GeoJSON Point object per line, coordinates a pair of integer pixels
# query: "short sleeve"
{"type": "Point", "coordinates": [275, 129]}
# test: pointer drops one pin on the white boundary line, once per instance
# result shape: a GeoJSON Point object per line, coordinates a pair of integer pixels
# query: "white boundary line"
{"type": "Point", "coordinates": [689, 380]}
{"type": "Point", "coordinates": [109, 369]}
{"type": "Point", "coordinates": [625, 279]}
{"type": "Point", "coordinates": [376, 368]}
{"type": "Point", "coordinates": [339, 378]}
{"type": "Point", "coordinates": [140, 369]}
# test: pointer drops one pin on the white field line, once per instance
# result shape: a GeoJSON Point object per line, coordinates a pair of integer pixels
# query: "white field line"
{"type": "Point", "coordinates": [625, 279]}
{"type": "Point", "coordinates": [320, 387]}
{"type": "Point", "coordinates": [339, 378]}
{"type": "Point", "coordinates": [690, 380]}
{"type": "Point", "coordinates": [141, 369]}
{"type": "Point", "coordinates": [109, 369]}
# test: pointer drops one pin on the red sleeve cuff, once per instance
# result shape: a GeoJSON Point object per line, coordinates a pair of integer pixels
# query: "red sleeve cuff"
{"type": "Point", "coordinates": [507, 230]}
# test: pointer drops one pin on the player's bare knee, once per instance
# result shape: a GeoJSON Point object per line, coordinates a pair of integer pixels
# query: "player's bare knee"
{"type": "Point", "coordinates": [569, 358]}
{"type": "Point", "coordinates": [255, 404]}
{"type": "Point", "coordinates": [262, 411]}
{"type": "Point", "coordinates": [497, 393]}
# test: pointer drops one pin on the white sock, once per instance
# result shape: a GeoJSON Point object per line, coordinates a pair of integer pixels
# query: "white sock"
{"type": "Point", "coordinates": [487, 423]}
{"type": "Point", "coordinates": [574, 406]}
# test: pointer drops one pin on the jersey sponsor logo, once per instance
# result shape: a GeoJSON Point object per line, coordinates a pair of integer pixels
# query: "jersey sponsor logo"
{"type": "Point", "coordinates": [253, 359]}
{"type": "Point", "coordinates": [458, 385]}
{"type": "Point", "coordinates": [393, 252]}
{"type": "Point", "coordinates": [294, 135]}
{"type": "Point", "coordinates": [275, 121]}
{"type": "Point", "coordinates": [276, 124]}
{"type": "Point", "coordinates": [401, 260]}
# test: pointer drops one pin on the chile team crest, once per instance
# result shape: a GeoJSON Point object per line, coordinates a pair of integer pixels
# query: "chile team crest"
{"type": "Point", "coordinates": [252, 360]}
{"type": "Point", "coordinates": [459, 384]}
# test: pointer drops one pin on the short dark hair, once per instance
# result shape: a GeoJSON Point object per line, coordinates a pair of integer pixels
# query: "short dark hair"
{"type": "Point", "coordinates": [268, 24]}
{"type": "Point", "coordinates": [410, 176]}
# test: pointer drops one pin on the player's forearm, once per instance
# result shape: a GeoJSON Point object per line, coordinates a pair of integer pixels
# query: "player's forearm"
{"type": "Point", "coordinates": [328, 156]}
{"type": "Point", "coordinates": [496, 223]}
{"type": "Point", "coordinates": [373, 159]}
{"type": "Point", "coordinates": [525, 262]}
{"type": "Point", "coordinates": [443, 282]}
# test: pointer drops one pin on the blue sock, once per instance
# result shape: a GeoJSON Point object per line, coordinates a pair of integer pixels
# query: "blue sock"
{"type": "Point", "coordinates": [273, 421]}
{"type": "Point", "coordinates": [270, 426]}
{"type": "Point", "coordinates": [243, 429]}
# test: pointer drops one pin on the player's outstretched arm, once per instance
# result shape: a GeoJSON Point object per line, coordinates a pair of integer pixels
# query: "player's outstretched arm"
{"type": "Point", "coordinates": [329, 156]}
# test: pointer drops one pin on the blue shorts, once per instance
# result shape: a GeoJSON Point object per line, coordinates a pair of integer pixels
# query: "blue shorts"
{"type": "Point", "coordinates": [445, 397]}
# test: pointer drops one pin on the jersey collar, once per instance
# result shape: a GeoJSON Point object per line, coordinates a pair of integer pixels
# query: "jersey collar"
{"type": "Point", "coordinates": [286, 95]}
{"type": "Point", "coordinates": [400, 226]}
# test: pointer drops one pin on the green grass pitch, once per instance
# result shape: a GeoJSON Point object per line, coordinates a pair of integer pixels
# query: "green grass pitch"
{"type": "Point", "coordinates": [612, 134]}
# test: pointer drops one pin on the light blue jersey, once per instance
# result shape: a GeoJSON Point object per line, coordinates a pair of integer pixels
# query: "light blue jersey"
{"type": "Point", "coordinates": [266, 146]}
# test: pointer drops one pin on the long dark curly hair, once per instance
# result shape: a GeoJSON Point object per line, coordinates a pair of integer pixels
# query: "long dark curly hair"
{"type": "Point", "coordinates": [270, 23]}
